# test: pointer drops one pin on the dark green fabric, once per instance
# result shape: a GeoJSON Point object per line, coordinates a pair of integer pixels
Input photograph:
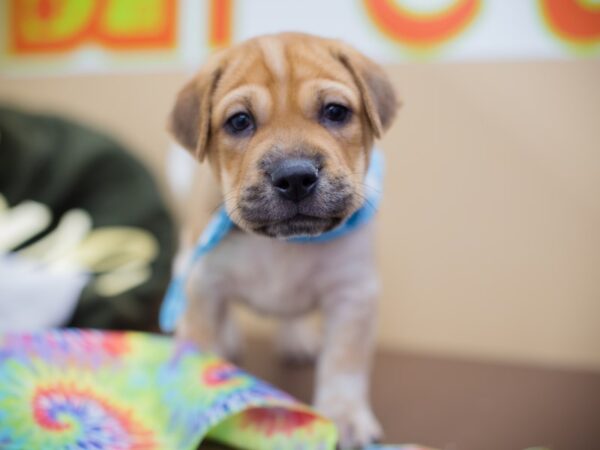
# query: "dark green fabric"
{"type": "Point", "coordinates": [65, 166]}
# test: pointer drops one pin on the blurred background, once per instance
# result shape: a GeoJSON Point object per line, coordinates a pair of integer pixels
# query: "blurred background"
{"type": "Point", "coordinates": [489, 238]}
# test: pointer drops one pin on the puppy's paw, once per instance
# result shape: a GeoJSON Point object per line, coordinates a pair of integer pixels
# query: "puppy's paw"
{"type": "Point", "coordinates": [298, 342]}
{"type": "Point", "coordinates": [229, 343]}
{"type": "Point", "coordinates": [225, 342]}
{"type": "Point", "coordinates": [357, 426]}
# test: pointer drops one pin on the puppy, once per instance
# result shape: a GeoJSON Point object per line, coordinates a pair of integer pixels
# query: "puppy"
{"type": "Point", "coordinates": [287, 124]}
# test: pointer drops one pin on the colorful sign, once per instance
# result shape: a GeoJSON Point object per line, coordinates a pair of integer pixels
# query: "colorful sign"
{"type": "Point", "coordinates": [92, 35]}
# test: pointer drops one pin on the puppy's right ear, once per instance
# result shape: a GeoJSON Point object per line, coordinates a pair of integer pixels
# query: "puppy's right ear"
{"type": "Point", "coordinates": [189, 122]}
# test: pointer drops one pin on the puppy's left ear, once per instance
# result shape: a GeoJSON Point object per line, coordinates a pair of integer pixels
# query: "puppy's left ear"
{"type": "Point", "coordinates": [378, 95]}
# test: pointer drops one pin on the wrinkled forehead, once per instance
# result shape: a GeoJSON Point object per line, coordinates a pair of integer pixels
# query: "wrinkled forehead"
{"type": "Point", "coordinates": [280, 71]}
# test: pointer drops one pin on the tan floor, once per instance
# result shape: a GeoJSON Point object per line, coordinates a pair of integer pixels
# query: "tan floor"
{"type": "Point", "coordinates": [462, 405]}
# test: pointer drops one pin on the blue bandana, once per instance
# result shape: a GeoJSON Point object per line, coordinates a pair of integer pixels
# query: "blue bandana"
{"type": "Point", "coordinates": [220, 225]}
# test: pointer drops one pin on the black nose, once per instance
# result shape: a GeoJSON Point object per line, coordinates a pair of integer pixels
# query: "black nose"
{"type": "Point", "coordinates": [295, 179]}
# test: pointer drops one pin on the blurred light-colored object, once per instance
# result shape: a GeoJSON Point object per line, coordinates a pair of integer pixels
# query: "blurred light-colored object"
{"type": "Point", "coordinates": [73, 226]}
{"type": "Point", "coordinates": [76, 201]}
{"type": "Point", "coordinates": [180, 169]}
{"type": "Point", "coordinates": [50, 295]}
{"type": "Point", "coordinates": [21, 223]}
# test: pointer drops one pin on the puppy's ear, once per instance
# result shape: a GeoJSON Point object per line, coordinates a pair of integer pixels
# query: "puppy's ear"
{"type": "Point", "coordinates": [189, 122]}
{"type": "Point", "coordinates": [378, 94]}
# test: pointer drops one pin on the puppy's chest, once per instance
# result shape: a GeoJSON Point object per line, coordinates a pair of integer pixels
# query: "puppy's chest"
{"type": "Point", "coordinates": [272, 276]}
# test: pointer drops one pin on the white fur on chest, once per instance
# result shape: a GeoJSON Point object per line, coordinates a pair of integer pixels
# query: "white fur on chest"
{"type": "Point", "coordinates": [282, 278]}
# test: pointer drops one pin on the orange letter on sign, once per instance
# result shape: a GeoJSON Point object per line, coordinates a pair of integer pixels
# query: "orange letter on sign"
{"type": "Point", "coordinates": [62, 25]}
{"type": "Point", "coordinates": [573, 20]}
{"type": "Point", "coordinates": [220, 23]}
{"type": "Point", "coordinates": [50, 25]}
{"type": "Point", "coordinates": [422, 30]}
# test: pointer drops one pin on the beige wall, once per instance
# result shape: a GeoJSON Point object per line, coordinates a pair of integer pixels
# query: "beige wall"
{"type": "Point", "coordinates": [490, 231]}
{"type": "Point", "coordinates": [490, 238]}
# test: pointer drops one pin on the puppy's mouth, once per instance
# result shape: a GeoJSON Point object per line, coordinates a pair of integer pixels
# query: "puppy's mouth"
{"type": "Point", "coordinates": [296, 196]}
{"type": "Point", "coordinates": [261, 210]}
{"type": "Point", "coordinates": [298, 225]}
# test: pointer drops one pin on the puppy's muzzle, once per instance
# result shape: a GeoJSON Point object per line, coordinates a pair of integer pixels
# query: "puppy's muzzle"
{"type": "Point", "coordinates": [295, 179]}
{"type": "Point", "coordinates": [297, 196]}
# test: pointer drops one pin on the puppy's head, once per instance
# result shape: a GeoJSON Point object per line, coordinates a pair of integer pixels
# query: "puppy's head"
{"type": "Point", "coordinates": [287, 123]}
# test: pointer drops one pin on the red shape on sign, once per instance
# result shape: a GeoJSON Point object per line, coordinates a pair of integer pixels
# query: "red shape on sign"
{"type": "Point", "coordinates": [573, 20]}
{"type": "Point", "coordinates": [220, 23]}
{"type": "Point", "coordinates": [419, 29]}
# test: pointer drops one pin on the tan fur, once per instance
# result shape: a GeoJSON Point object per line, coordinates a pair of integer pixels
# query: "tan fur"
{"type": "Point", "coordinates": [284, 81]}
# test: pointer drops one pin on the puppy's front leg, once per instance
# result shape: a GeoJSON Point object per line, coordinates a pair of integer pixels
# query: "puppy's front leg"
{"type": "Point", "coordinates": [342, 389]}
{"type": "Point", "coordinates": [298, 341]}
{"type": "Point", "coordinates": [207, 322]}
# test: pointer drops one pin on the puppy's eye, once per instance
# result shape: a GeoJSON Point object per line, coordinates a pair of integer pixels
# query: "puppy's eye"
{"type": "Point", "coordinates": [239, 124]}
{"type": "Point", "coordinates": [336, 114]}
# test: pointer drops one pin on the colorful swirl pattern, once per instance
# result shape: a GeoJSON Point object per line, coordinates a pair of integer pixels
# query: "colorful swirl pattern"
{"type": "Point", "coordinates": [75, 389]}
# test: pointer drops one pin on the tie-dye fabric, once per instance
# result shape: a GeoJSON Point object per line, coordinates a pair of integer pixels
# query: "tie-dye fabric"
{"type": "Point", "coordinates": [91, 390]}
